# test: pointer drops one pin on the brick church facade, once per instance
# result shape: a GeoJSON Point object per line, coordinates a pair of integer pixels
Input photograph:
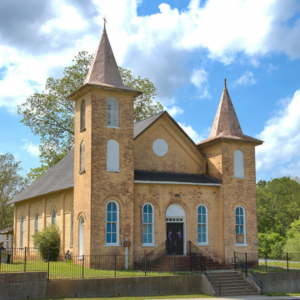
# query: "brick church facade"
{"type": "Point", "coordinates": [145, 182]}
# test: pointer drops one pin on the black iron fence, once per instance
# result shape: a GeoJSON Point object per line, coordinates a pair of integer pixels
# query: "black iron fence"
{"type": "Point", "coordinates": [93, 266]}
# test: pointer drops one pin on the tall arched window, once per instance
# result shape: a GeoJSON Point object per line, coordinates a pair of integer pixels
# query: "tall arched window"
{"type": "Point", "coordinates": [112, 156]}
{"type": "Point", "coordinates": [82, 115]}
{"type": "Point", "coordinates": [112, 223]}
{"type": "Point", "coordinates": [81, 237]}
{"type": "Point", "coordinates": [82, 156]}
{"type": "Point", "coordinates": [148, 227]}
{"type": "Point", "coordinates": [112, 112]}
{"type": "Point", "coordinates": [36, 222]}
{"type": "Point", "coordinates": [240, 225]}
{"type": "Point", "coordinates": [72, 226]}
{"type": "Point", "coordinates": [238, 164]}
{"type": "Point", "coordinates": [21, 231]}
{"type": "Point", "coordinates": [53, 216]}
{"type": "Point", "coordinates": [202, 225]}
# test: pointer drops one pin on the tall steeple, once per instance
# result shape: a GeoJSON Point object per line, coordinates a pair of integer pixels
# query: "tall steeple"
{"type": "Point", "coordinates": [226, 122]}
{"type": "Point", "coordinates": [104, 69]}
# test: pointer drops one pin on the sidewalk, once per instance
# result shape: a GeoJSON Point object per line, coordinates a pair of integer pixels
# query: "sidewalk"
{"type": "Point", "coordinates": [253, 297]}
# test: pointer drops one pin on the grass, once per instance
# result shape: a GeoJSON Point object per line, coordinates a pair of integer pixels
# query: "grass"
{"type": "Point", "coordinates": [277, 266]}
{"type": "Point", "coordinates": [70, 270]}
{"type": "Point", "coordinates": [189, 296]}
{"type": "Point", "coordinates": [281, 294]}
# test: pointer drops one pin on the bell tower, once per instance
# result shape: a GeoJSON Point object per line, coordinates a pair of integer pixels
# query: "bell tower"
{"type": "Point", "coordinates": [103, 154]}
{"type": "Point", "coordinates": [231, 157]}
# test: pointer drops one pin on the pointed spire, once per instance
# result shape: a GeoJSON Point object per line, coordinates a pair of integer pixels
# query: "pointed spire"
{"type": "Point", "coordinates": [104, 68]}
{"type": "Point", "coordinates": [226, 122]}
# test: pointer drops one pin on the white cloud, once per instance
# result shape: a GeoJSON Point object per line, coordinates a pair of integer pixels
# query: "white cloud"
{"type": "Point", "coordinates": [196, 137]}
{"type": "Point", "coordinates": [174, 111]}
{"type": "Point", "coordinates": [199, 79]}
{"type": "Point", "coordinates": [245, 79]}
{"type": "Point", "coordinates": [280, 153]}
{"type": "Point", "coordinates": [30, 147]}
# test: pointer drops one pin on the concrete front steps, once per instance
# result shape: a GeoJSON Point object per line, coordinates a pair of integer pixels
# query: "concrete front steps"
{"type": "Point", "coordinates": [233, 284]}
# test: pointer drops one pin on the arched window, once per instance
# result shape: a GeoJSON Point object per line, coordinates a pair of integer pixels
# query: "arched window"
{"type": "Point", "coordinates": [81, 237]}
{"type": "Point", "coordinates": [202, 225]}
{"type": "Point", "coordinates": [82, 156]}
{"type": "Point", "coordinates": [148, 221]}
{"type": "Point", "coordinates": [238, 164]}
{"type": "Point", "coordinates": [112, 156]}
{"type": "Point", "coordinates": [112, 112]}
{"type": "Point", "coordinates": [21, 231]}
{"type": "Point", "coordinates": [36, 222]}
{"type": "Point", "coordinates": [53, 216]}
{"type": "Point", "coordinates": [82, 115]}
{"type": "Point", "coordinates": [72, 226]}
{"type": "Point", "coordinates": [112, 223]}
{"type": "Point", "coordinates": [240, 225]}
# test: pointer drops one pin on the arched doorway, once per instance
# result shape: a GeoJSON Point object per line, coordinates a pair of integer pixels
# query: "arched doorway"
{"type": "Point", "coordinates": [176, 230]}
{"type": "Point", "coordinates": [81, 236]}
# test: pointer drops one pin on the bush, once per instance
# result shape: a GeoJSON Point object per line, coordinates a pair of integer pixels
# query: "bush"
{"type": "Point", "coordinates": [49, 237]}
{"type": "Point", "coordinates": [271, 244]}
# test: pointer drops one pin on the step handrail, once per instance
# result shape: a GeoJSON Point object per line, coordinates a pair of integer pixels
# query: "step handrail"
{"type": "Point", "coordinates": [194, 249]}
{"type": "Point", "coordinates": [252, 275]}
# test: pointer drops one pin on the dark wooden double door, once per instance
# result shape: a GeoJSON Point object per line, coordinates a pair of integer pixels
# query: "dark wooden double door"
{"type": "Point", "coordinates": [174, 238]}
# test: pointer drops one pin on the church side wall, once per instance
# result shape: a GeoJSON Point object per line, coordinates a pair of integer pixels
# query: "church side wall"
{"type": "Point", "coordinates": [182, 156]}
{"type": "Point", "coordinates": [161, 197]}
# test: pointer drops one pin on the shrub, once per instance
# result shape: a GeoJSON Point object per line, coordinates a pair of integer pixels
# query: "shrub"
{"type": "Point", "coordinates": [49, 237]}
{"type": "Point", "coordinates": [271, 244]}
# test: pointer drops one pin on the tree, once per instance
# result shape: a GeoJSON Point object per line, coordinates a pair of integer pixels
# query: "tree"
{"type": "Point", "coordinates": [293, 238]}
{"type": "Point", "coordinates": [51, 116]}
{"type": "Point", "coordinates": [270, 244]}
{"type": "Point", "coordinates": [11, 183]}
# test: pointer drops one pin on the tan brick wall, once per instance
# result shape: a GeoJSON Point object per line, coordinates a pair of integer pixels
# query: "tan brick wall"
{"type": "Point", "coordinates": [182, 156]}
{"type": "Point", "coordinates": [162, 196]}
{"type": "Point", "coordinates": [235, 192]}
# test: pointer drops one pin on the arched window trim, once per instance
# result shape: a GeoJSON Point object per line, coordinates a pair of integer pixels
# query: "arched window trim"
{"type": "Point", "coordinates": [207, 237]}
{"type": "Point", "coordinates": [36, 222]}
{"type": "Point", "coordinates": [82, 115]}
{"type": "Point", "coordinates": [153, 220]}
{"type": "Point", "coordinates": [112, 113]}
{"type": "Point", "coordinates": [109, 168]}
{"type": "Point", "coordinates": [21, 231]}
{"type": "Point", "coordinates": [245, 231]}
{"type": "Point", "coordinates": [72, 226]}
{"type": "Point", "coordinates": [53, 210]}
{"type": "Point", "coordinates": [82, 157]}
{"type": "Point", "coordinates": [237, 172]}
{"type": "Point", "coordinates": [117, 244]}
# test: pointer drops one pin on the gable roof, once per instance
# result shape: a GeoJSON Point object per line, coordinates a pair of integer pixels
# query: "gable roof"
{"type": "Point", "coordinates": [61, 176]}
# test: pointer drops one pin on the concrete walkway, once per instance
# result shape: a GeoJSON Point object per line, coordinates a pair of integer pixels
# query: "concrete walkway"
{"type": "Point", "coordinates": [254, 297]}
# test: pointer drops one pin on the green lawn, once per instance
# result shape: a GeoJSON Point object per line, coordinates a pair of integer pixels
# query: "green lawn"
{"type": "Point", "coordinates": [277, 266]}
{"type": "Point", "coordinates": [69, 270]}
{"type": "Point", "coordinates": [272, 269]}
{"type": "Point", "coordinates": [282, 294]}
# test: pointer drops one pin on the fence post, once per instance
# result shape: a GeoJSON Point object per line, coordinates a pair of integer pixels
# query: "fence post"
{"type": "Point", "coordinates": [174, 263]}
{"type": "Point", "coordinates": [266, 262]}
{"type": "Point", "coordinates": [0, 258]}
{"type": "Point", "coordinates": [25, 260]}
{"type": "Point", "coordinates": [246, 259]}
{"type": "Point", "coordinates": [82, 266]}
{"type": "Point", "coordinates": [234, 261]}
{"type": "Point", "coordinates": [287, 261]}
{"type": "Point", "coordinates": [115, 265]}
{"type": "Point", "coordinates": [145, 265]}
{"type": "Point", "coordinates": [48, 262]}
{"type": "Point", "coordinates": [201, 263]}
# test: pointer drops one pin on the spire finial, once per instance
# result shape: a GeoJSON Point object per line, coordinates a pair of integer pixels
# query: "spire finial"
{"type": "Point", "coordinates": [225, 87]}
{"type": "Point", "coordinates": [104, 19]}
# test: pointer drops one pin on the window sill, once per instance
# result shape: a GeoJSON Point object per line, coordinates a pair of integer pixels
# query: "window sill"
{"type": "Point", "coordinates": [116, 171]}
{"type": "Point", "coordinates": [112, 245]}
{"type": "Point", "coordinates": [81, 172]}
{"type": "Point", "coordinates": [203, 244]}
{"type": "Point", "coordinates": [113, 127]}
{"type": "Point", "coordinates": [83, 129]}
{"type": "Point", "coordinates": [241, 245]}
{"type": "Point", "coordinates": [148, 245]}
{"type": "Point", "coordinates": [240, 177]}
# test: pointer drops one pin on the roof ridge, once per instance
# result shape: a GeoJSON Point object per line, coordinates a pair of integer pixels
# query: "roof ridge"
{"type": "Point", "coordinates": [150, 116]}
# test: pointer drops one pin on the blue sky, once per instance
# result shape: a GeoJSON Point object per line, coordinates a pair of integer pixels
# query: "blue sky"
{"type": "Point", "coordinates": [186, 48]}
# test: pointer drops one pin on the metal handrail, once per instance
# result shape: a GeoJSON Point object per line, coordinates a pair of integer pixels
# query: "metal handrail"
{"type": "Point", "coordinates": [197, 250]}
{"type": "Point", "coordinates": [248, 270]}
{"type": "Point", "coordinates": [159, 248]}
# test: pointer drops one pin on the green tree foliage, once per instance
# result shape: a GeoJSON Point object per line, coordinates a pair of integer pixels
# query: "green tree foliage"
{"type": "Point", "coordinates": [293, 238]}
{"type": "Point", "coordinates": [270, 243]}
{"type": "Point", "coordinates": [11, 183]}
{"type": "Point", "coordinates": [51, 116]}
{"type": "Point", "coordinates": [48, 238]}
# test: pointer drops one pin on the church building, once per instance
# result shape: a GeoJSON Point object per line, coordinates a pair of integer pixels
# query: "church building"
{"type": "Point", "coordinates": [146, 182]}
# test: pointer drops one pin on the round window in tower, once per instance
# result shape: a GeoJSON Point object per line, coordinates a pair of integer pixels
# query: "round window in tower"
{"type": "Point", "coordinates": [160, 147]}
